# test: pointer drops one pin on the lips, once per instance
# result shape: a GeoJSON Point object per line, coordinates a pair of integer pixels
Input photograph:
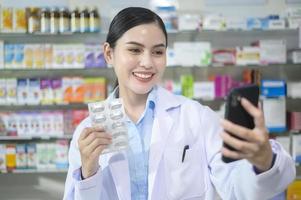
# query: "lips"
{"type": "Point", "coordinates": [143, 76]}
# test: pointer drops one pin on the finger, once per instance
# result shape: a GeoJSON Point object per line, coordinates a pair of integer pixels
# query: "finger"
{"type": "Point", "coordinates": [239, 131]}
{"type": "Point", "coordinates": [255, 112]}
{"type": "Point", "coordinates": [95, 143]}
{"type": "Point", "coordinates": [95, 135]}
{"type": "Point", "coordinates": [240, 145]}
{"type": "Point", "coordinates": [98, 150]}
{"type": "Point", "coordinates": [232, 154]}
{"type": "Point", "coordinates": [86, 131]}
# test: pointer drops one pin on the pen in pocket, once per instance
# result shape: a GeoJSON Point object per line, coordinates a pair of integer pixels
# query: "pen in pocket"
{"type": "Point", "coordinates": [186, 147]}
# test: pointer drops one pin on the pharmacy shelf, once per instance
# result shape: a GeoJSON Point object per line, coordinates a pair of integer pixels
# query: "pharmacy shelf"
{"type": "Point", "coordinates": [276, 71]}
{"type": "Point", "coordinates": [292, 105]}
{"type": "Point", "coordinates": [28, 137]}
{"type": "Point", "coordinates": [12, 108]}
{"type": "Point", "coordinates": [34, 171]}
{"type": "Point", "coordinates": [269, 71]}
{"type": "Point", "coordinates": [52, 38]}
{"type": "Point", "coordinates": [52, 73]}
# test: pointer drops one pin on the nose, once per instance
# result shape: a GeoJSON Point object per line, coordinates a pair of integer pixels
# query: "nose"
{"type": "Point", "coordinates": [147, 61]}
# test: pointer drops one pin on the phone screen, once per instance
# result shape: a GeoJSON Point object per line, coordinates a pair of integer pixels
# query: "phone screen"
{"type": "Point", "coordinates": [236, 113]}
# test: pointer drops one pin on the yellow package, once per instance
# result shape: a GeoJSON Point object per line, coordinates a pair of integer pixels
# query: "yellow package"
{"type": "Point", "coordinates": [7, 20]}
{"type": "Point", "coordinates": [294, 191]}
{"type": "Point", "coordinates": [20, 22]}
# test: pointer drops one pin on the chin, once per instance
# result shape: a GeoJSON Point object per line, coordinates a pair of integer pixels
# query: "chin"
{"type": "Point", "coordinates": [142, 90]}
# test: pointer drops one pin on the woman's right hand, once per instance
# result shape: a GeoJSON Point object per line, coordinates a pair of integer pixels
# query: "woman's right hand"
{"type": "Point", "coordinates": [91, 143]}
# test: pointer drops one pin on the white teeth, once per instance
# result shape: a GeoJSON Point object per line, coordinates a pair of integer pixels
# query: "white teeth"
{"type": "Point", "coordinates": [143, 75]}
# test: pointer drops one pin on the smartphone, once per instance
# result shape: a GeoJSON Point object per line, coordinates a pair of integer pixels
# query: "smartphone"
{"type": "Point", "coordinates": [236, 113]}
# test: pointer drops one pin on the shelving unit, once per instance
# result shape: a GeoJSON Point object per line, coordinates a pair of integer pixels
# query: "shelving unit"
{"type": "Point", "coordinates": [218, 39]}
{"type": "Point", "coordinates": [29, 137]}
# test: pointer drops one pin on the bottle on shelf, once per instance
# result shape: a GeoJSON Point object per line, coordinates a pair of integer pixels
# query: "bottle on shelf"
{"type": "Point", "coordinates": [75, 21]}
{"type": "Point", "coordinates": [94, 20]}
{"type": "Point", "coordinates": [84, 21]}
{"type": "Point", "coordinates": [45, 20]}
{"type": "Point", "coordinates": [33, 17]}
{"type": "Point", "coordinates": [54, 20]}
{"type": "Point", "coordinates": [64, 20]}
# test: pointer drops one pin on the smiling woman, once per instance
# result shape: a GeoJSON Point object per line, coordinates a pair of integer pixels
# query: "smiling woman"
{"type": "Point", "coordinates": [175, 144]}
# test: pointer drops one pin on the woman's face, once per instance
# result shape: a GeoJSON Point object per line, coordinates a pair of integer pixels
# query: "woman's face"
{"type": "Point", "coordinates": [139, 58]}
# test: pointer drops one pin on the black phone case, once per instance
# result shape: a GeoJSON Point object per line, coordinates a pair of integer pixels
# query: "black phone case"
{"type": "Point", "coordinates": [236, 113]}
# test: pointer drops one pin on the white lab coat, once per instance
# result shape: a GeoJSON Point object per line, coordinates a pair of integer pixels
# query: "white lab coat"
{"type": "Point", "coordinates": [179, 121]}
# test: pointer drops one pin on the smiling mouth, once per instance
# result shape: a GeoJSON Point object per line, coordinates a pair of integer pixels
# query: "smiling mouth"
{"type": "Point", "coordinates": [143, 75]}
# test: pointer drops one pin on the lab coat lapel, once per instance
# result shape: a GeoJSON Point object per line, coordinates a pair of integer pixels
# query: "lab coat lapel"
{"type": "Point", "coordinates": [161, 129]}
{"type": "Point", "coordinates": [119, 168]}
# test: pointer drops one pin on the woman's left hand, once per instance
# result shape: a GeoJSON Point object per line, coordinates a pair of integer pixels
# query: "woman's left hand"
{"type": "Point", "coordinates": [255, 147]}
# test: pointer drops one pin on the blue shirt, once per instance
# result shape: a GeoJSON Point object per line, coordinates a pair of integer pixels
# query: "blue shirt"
{"type": "Point", "coordinates": [138, 152]}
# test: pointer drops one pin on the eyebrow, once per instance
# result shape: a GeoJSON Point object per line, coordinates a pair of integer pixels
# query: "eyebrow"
{"type": "Point", "coordinates": [139, 44]}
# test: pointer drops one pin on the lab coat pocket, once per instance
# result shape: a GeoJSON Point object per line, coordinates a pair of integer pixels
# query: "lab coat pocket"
{"type": "Point", "coordinates": [184, 180]}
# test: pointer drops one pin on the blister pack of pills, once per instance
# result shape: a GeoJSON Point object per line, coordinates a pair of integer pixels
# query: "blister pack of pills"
{"type": "Point", "coordinates": [111, 116]}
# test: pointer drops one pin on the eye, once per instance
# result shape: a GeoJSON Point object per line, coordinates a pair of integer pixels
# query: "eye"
{"type": "Point", "coordinates": [135, 50]}
{"type": "Point", "coordinates": [158, 52]}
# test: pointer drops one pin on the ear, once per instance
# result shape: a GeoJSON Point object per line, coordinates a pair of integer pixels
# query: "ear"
{"type": "Point", "coordinates": [108, 53]}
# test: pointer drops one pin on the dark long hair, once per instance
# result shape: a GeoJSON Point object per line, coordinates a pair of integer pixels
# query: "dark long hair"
{"type": "Point", "coordinates": [129, 18]}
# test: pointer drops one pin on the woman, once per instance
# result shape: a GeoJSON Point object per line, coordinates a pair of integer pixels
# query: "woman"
{"type": "Point", "coordinates": [175, 144]}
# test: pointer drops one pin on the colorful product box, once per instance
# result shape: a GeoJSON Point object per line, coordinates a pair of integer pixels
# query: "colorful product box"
{"type": "Point", "coordinates": [67, 90]}
{"type": "Point", "coordinates": [38, 56]}
{"type": "Point", "coordinates": [31, 151]}
{"type": "Point", "coordinates": [204, 90]}
{"type": "Point", "coordinates": [57, 123]}
{"type": "Point", "coordinates": [23, 124]}
{"type": "Point", "coordinates": [79, 56]}
{"type": "Point", "coordinates": [51, 153]}
{"type": "Point", "coordinates": [273, 88]}
{"type": "Point", "coordinates": [297, 148]}
{"type": "Point", "coordinates": [11, 122]}
{"type": "Point", "coordinates": [69, 56]}
{"type": "Point", "coordinates": [187, 85]}
{"type": "Point", "coordinates": [3, 127]}
{"type": "Point", "coordinates": [58, 56]}
{"type": "Point", "coordinates": [2, 54]}
{"type": "Point", "coordinates": [42, 156]}
{"type": "Point", "coordinates": [46, 91]}
{"type": "Point", "coordinates": [22, 91]}
{"type": "Point", "coordinates": [34, 121]}
{"type": "Point", "coordinates": [28, 55]}
{"type": "Point", "coordinates": [189, 22]}
{"type": "Point", "coordinates": [78, 90]}
{"type": "Point", "coordinates": [9, 55]}
{"type": "Point", "coordinates": [294, 190]}
{"type": "Point", "coordinates": [18, 61]}
{"type": "Point", "coordinates": [10, 157]}
{"type": "Point", "coordinates": [2, 158]}
{"type": "Point", "coordinates": [275, 107]}
{"type": "Point", "coordinates": [224, 57]}
{"type": "Point", "coordinates": [19, 20]}
{"type": "Point", "coordinates": [57, 90]}
{"type": "Point", "coordinates": [272, 51]}
{"type": "Point", "coordinates": [46, 124]}
{"type": "Point", "coordinates": [294, 122]}
{"type": "Point", "coordinates": [3, 92]}
{"type": "Point", "coordinates": [62, 154]}
{"type": "Point", "coordinates": [34, 92]}
{"type": "Point", "coordinates": [21, 157]}
{"type": "Point", "coordinates": [247, 55]}
{"type": "Point", "coordinates": [6, 19]}
{"type": "Point", "coordinates": [48, 56]}
{"type": "Point", "coordinates": [11, 89]}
